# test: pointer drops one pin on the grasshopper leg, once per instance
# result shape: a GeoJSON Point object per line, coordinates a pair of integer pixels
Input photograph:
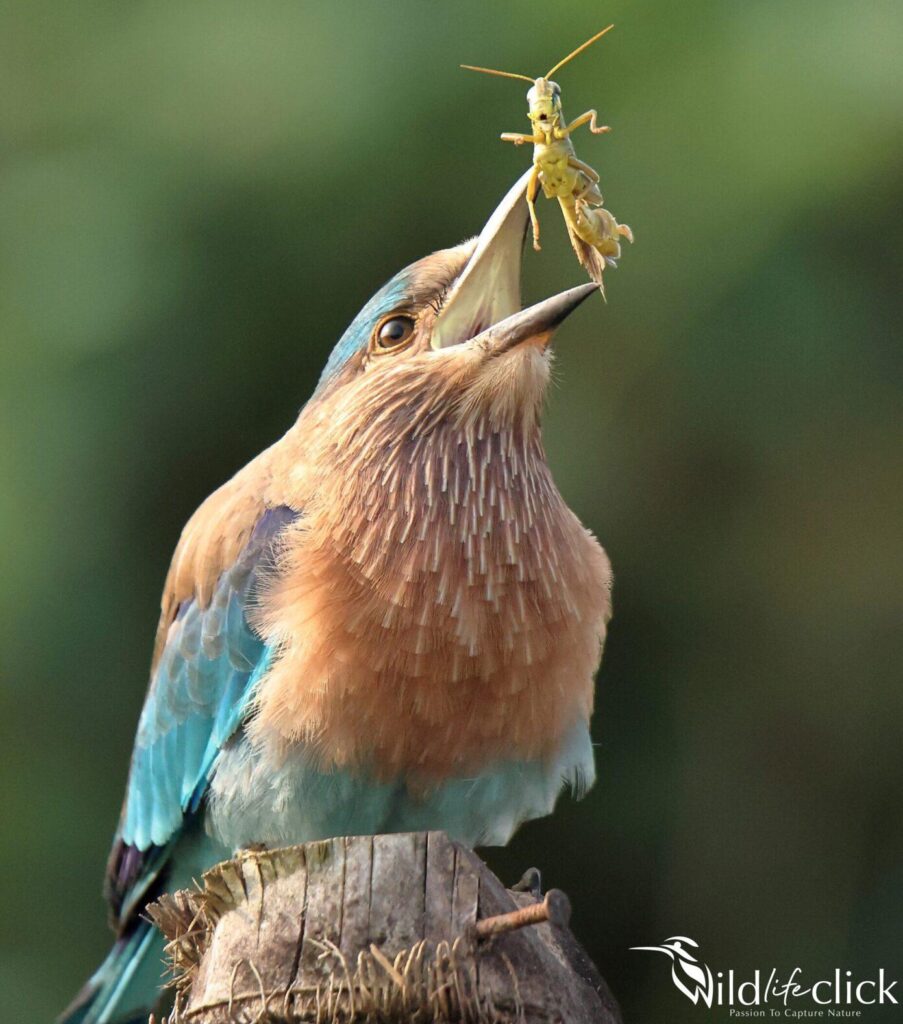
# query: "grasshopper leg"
{"type": "Point", "coordinates": [518, 139]}
{"type": "Point", "coordinates": [532, 189]}
{"type": "Point", "coordinates": [590, 116]}
{"type": "Point", "coordinates": [577, 163]}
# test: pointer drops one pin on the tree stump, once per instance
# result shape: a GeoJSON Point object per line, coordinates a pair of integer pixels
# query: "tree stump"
{"type": "Point", "coordinates": [392, 928]}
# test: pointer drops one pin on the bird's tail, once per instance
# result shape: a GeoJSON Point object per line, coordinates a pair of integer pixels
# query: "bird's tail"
{"type": "Point", "coordinates": [126, 987]}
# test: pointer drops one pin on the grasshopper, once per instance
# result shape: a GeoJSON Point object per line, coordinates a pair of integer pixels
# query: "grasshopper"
{"type": "Point", "coordinates": [593, 231]}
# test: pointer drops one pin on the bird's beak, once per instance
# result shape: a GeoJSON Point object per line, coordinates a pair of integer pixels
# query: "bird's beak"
{"type": "Point", "coordinates": [484, 304]}
{"type": "Point", "coordinates": [536, 322]}
{"type": "Point", "coordinates": [656, 949]}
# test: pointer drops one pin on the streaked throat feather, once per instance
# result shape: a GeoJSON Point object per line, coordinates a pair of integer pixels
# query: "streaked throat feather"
{"type": "Point", "coordinates": [433, 534]}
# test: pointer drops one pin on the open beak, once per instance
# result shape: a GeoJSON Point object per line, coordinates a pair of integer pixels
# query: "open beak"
{"type": "Point", "coordinates": [536, 322]}
{"type": "Point", "coordinates": [484, 305]}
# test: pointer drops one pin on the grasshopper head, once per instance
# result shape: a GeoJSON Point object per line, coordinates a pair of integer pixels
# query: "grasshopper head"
{"type": "Point", "coordinates": [544, 99]}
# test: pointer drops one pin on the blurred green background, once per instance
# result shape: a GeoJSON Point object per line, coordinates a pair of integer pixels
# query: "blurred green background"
{"type": "Point", "coordinates": [194, 201]}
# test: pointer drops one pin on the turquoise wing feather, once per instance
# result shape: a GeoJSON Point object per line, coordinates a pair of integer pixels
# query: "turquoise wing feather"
{"type": "Point", "coordinates": [199, 692]}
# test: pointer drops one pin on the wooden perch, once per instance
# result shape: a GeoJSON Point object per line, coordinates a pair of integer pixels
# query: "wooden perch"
{"type": "Point", "coordinates": [395, 929]}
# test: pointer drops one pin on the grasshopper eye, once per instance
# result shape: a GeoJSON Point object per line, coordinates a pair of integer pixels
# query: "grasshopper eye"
{"type": "Point", "coordinates": [394, 332]}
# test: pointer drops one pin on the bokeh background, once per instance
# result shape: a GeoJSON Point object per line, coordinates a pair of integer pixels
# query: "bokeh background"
{"type": "Point", "coordinates": [194, 201]}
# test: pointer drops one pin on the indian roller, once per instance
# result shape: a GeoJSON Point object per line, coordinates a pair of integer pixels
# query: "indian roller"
{"type": "Point", "coordinates": [388, 621]}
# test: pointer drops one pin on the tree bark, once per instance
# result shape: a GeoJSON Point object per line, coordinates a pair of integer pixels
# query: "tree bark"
{"type": "Point", "coordinates": [393, 928]}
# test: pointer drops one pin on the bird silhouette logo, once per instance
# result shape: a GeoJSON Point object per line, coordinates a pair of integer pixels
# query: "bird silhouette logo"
{"type": "Point", "coordinates": [693, 978]}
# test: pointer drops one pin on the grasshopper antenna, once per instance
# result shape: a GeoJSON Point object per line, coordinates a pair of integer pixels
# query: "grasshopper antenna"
{"type": "Point", "coordinates": [501, 74]}
{"type": "Point", "coordinates": [570, 56]}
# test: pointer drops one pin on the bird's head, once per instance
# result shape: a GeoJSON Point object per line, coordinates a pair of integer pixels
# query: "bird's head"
{"type": "Point", "coordinates": [445, 340]}
{"type": "Point", "coordinates": [434, 546]}
{"type": "Point", "coordinates": [675, 948]}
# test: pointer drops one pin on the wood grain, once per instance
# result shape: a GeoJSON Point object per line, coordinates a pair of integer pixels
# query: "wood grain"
{"type": "Point", "coordinates": [370, 928]}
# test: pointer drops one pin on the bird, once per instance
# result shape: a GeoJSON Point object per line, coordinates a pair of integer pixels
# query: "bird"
{"type": "Point", "coordinates": [388, 621]}
{"type": "Point", "coordinates": [690, 977]}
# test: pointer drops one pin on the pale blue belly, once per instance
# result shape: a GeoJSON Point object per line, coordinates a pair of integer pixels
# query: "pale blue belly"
{"type": "Point", "coordinates": [251, 801]}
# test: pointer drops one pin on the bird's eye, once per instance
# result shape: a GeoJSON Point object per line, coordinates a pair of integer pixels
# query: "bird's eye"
{"type": "Point", "coordinates": [394, 332]}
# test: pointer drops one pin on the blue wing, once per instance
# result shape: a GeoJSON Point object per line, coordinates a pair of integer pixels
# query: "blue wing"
{"type": "Point", "coordinates": [198, 694]}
